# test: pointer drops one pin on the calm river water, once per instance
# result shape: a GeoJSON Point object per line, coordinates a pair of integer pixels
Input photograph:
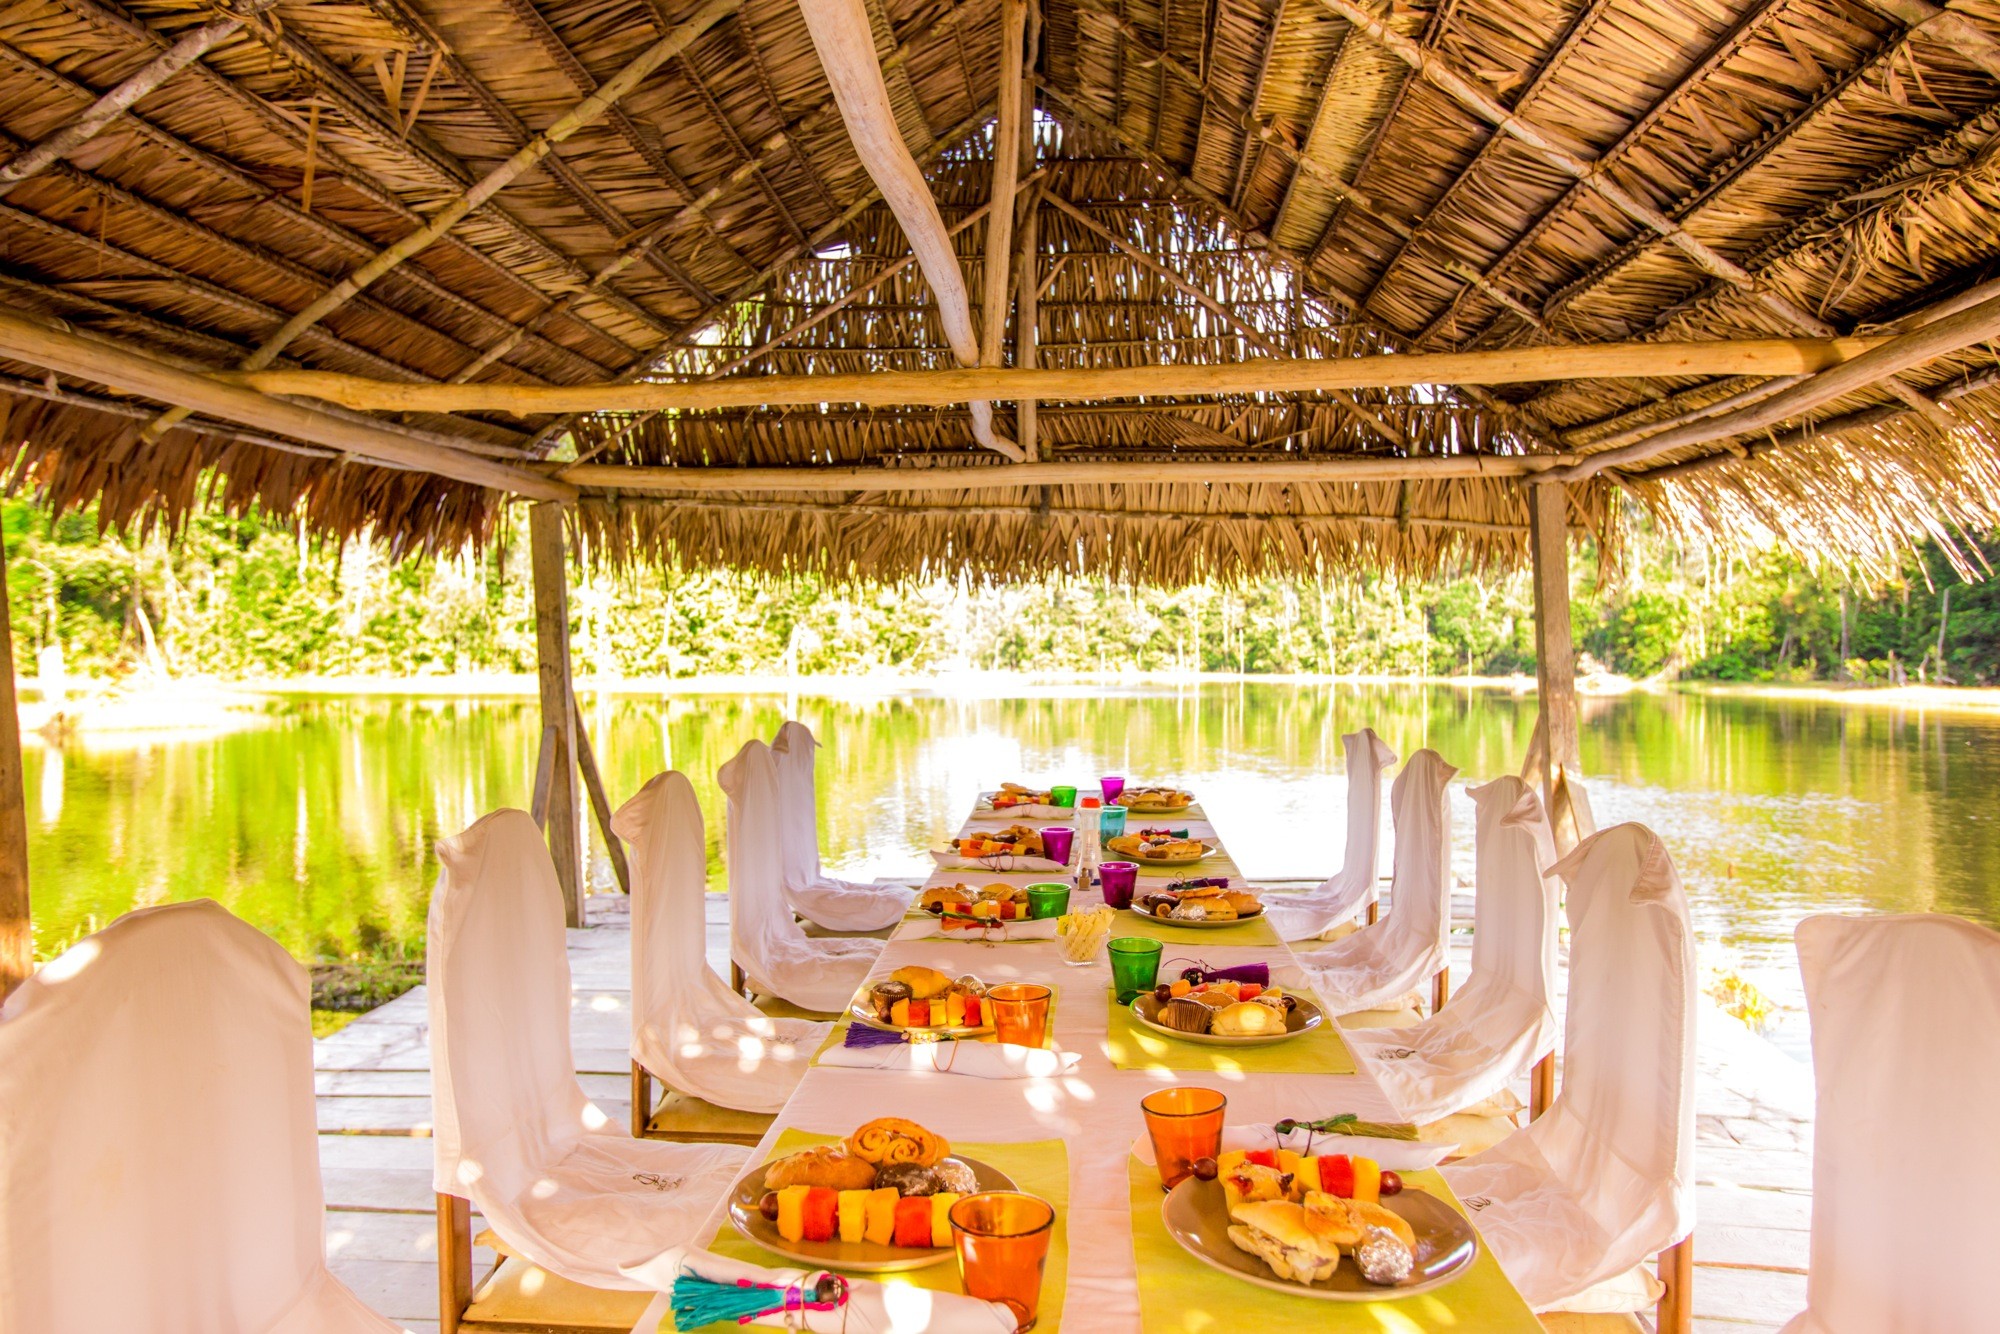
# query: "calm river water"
{"type": "Point", "coordinates": [318, 824]}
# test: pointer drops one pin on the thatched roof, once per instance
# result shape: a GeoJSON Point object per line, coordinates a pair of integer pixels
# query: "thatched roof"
{"type": "Point", "coordinates": [1752, 169]}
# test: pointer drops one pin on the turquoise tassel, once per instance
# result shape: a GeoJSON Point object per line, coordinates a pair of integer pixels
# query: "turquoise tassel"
{"type": "Point", "coordinates": [699, 1301]}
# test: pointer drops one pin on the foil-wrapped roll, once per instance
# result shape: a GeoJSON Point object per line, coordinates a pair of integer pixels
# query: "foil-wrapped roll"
{"type": "Point", "coordinates": [1383, 1258]}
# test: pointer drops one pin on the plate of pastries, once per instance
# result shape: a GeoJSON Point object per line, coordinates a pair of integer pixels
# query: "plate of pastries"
{"type": "Point", "coordinates": [916, 999]}
{"type": "Point", "coordinates": [997, 902]}
{"type": "Point", "coordinates": [1334, 1227]}
{"type": "Point", "coordinates": [1016, 847]}
{"type": "Point", "coordinates": [1159, 847]}
{"type": "Point", "coordinates": [1020, 799]}
{"type": "Point", "coordinates": [1224, 1013]}
{"type": "Point", "coordinates": [1156, 800]}
{"type": "Point", "coordinates": [876, 1202]}
{"type": "Point", "coordinates": [1203, 903]}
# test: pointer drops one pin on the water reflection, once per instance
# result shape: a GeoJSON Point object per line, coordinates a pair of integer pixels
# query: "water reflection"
{"type": "Point", "coordinates": [318, 824]}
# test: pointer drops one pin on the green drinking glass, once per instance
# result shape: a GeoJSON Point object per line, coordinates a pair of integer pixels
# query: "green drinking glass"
{"type": "Point", "coordinates": [1135, 966]}
{"type": "Point", "coordinates": [1063, 794]}
{"type": "Point", "coordinates": [1048, 900]}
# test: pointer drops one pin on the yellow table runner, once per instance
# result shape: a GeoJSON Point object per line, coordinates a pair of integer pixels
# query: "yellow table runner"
{"type": "Point", "coordinates": [1178, 1294]}
{"type": "Point", "coordinates": [1130, 1045]}
{"type": "Point", "coordinates": [1038, 1167]}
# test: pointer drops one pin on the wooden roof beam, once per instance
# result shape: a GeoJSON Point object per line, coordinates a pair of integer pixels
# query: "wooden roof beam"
{"type": "Point", "coordinates": [1939, 338]}
{"type": "Point", "coordinates": [80, 129]}
{"type": "Point", "coordinates": [53, 346]}
{"type": "Point", "coordinates": [1006, 175]}
{"type": "Point", "coordinates": [1121, 472]}
{"type": "Point", "coordinates": [108, 14]}
{"type": "Point", "coordinates": [1956, 32]}
{"type": "Point", "coordinates": [542, 146]}
{"type": "Point", "coordinates": [1278, 374]}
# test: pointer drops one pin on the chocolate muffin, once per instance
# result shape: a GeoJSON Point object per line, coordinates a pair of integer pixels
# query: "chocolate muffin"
{"type": "Point", "coordinates": [908, 1179]}
{"type": "Point", "coordinates": [1186, 1016]}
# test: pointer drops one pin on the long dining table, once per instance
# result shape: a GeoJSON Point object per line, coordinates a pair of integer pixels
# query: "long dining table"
{"type": "Point", "coordinates": [1113, 1267]}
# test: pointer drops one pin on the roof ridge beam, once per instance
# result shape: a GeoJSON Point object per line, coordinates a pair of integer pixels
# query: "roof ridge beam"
{"type": "Point", "coordinates": [524, 159]}
{"type": "Point", "coordinates": [1112, 472]}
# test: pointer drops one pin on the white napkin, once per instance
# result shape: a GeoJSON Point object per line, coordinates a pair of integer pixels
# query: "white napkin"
{"type": "Point", "coordinates": [1398, 1155]}
{"type": "Point", "coordinates": [1025, 928]}
{"type": "Point", "coordinates": [948, 859]}
{"type": "Point", "coordinates": [872, 1308]}
{"type": "Point", "coordinates": [981, 1060]}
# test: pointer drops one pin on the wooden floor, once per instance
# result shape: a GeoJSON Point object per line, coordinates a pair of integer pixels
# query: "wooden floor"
{"type": "Point", "coordinates": [1753, 1104]}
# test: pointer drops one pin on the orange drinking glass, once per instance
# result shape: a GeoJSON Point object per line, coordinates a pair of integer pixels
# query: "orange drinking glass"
{"type": "Point", "coordinates": [1185, 1124]}
{"type": "Point", "coordinates": [1020, 1012]}
{"type": "Point", "coordinates": [1002, 1239]}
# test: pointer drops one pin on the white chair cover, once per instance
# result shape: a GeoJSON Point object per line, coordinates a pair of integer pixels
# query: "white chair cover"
{"type": "Point", "coordinates": [159, 1162]}
{"type": "Point", "coordinates": [837, 905]}
{"type": "Point", "coordinates": [688, 1027]}
{"type": "Point", "coordinates": [1605, 1177]}
{"type": "Point", "coordinates": [1378, 965]}
{"type": "Point", "coordinates": [1352, 888]}
{"type": "Point", "coordinates": [777, 957]}
{"type": "Point", "coordinates": [1906, 1056]}
{"type": "Point", "coordinates": [1501, 1021]}
{"type": "Point", "coordinates": [561, 1183]}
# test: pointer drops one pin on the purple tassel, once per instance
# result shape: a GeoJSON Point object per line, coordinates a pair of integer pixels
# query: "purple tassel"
{"type": "Point", "coordinates": [1197, 972]}
{"type": "Point", "coordinates": [861, 1035]}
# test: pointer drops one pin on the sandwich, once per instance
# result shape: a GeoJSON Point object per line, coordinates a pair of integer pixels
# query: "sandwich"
{"type": "Point", "coordinates": [1275, 1232]}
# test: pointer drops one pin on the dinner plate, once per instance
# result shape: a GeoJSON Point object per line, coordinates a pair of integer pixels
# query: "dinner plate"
{"type": "Point", "coordinates": [1198, 925]}
{"type": "Point", "coordinates": [1303, 1018]}
{"type": "Point", "coordinates": [1207, 850]}
{"type": "Point", "coordinates": [1156, 810]}
{"type": "Point", "coordinates": [863, 1013]}
{"type": "Point", "coordinates": [986, 810]}
{"type": "Point", "coordinates": [859, 1257]}
{"type": "Point", "coordinates": [1197, 1216]}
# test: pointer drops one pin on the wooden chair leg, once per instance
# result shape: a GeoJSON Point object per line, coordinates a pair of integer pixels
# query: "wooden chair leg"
{"type": "Point", "coordinates": [1541, 1086]}
{"type": "Point", "coordinates": [454, 1261]}
{"type": "Point", "coordinates": [1440, 988]}
{"type": "Point", "coordinates": [642, 1099]}
{"type": "Point", "coordinates": [1676, 1310]}
{"type": "Point", "coordinates": [1374, 911]}
{"type": "Point", "coordinates": [737, 982]}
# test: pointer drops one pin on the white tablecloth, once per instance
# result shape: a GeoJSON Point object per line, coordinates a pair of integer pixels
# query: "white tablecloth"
{"type": "Point", "coordinates": [1094, 1110]}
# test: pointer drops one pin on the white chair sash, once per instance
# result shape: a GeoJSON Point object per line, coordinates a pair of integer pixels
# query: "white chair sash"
{"type": "Point", "coordinates": [1906, 1058]}
{"type": "Point", "coordinates": [688, 1027]}
{"type": "Point", "coordinates": [837, 905]}
{"type": "Point", "coordinates": [1501, 1021]}
{"type": "Point", "coordinates": [777, 956]}
{"type": "Point", "coordinates": [1604, 1178]}
{"type": "Point", "coordinates": [1351, 889]}
{"type": "Point", "coordinates": [159, 1162]}
{"type": "Point", "coordinates": [561, 1183]}
{"type": "Point", "coordinates": [1380, 964]}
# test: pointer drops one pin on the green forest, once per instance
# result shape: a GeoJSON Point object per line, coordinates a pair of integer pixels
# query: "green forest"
{"type": "Point", "coordinates": [253, 597]}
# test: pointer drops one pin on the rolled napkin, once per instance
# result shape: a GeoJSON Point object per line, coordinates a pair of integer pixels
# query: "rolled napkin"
{"type": "Point", "coordinates": [981, 1060]}
{"type": "Point", "coordinates": [1398, 1155]}
{"type": "Point", "coordinates": [928, 927]}
{"type": "Point", "coordinates": [860, 1307]}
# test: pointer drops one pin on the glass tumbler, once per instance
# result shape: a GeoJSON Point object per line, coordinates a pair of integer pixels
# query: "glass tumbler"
{"type": "Point", "coordinates": [1020, 1012]}
{"type": "Point", "coordinates": [1063, 794]}
{"type": "Point", "coordinates": [1118, 879]}
{"type": "Point", "coordinates": [1048, 900]}
{"type": "Point", "coordinates": [1135, 965]}
{"type": "Point", "coordinates": [1002, 1239]}
{"type": "Point", "coordinates": [1111, 787]}
{"type": "Point", "coordinates": [1056, 840]}
{"type": "Point", "coordinates": [1185, 1124]}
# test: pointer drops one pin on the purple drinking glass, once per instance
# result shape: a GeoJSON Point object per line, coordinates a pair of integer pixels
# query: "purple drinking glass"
{"type": "Point", "coordinates": [1119, 880]}
{"type": "Point", "coordinates": [1112, 788]}
{"type": "Point", "coordinates": [1056, 842]}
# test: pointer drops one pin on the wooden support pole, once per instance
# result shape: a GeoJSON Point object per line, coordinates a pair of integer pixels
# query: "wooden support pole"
{"type": "Point", "coordinates": [87, 124]}
{"type": "Point", "coordinates": [17, 927]}
{"type": "Point", "coordinates": [1027, 316]}
{"type": "Point", "coordinates": [600, 806]}
{"type": "Point", "coordinates": [1555, 667]}
{"type": "Point", "coordinates": [1276, 373]}
{"type": "Point", "coordinates": [52, 345]}
{"type": "Point", "coordinates": [1006, 171]}
{"type": "Point", "coordinates": [546, 542]}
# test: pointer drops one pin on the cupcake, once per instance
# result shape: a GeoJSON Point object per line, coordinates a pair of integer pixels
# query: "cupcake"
{"type": "Point", "coordinates": [1185, 1016]}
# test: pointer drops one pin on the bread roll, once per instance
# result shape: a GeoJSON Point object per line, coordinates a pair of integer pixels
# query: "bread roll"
{"type": "Point", "coordinates": [923, 982]}
{"type": "Point", "coordinates": [889, 1140]}
{"type": "Point", "coordinates": [1247, 1019]}
{"type": "Point", "coordinates": [1276, 1233]}
{"type": "Point", "coordinates": [828, 1165]}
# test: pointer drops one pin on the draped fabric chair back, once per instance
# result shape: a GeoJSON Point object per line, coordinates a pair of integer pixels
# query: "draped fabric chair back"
{"type": "Point", "coordinates": [1514, 910]}
{"type": "Point", "coordinates": [688, 1027]}
{"type": "Point", "coordinates": [503, 1080]}
{"type": "Point", "coordinates": [1906, 1056]}
{"type": "Point", "coordinates": [159, 1164]}
{"type": "Point", "coordinates": [795, 750]}
{"type": "Point", "coordinates": [1352, 887]}
{"type": "Point", "coordinates": [1625, 1112]}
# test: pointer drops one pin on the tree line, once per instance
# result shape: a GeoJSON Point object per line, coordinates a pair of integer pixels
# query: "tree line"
{"type": "Point", "coordinates": [252, 597]}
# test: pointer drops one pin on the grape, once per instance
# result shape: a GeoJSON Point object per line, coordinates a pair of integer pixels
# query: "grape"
{"type": "Point", "coordinates": [1204, 1169]}
{"type": "Point", "coordinates": [1391, 1183]}
{"type": "Point", "coordinates": [768, 1205]}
